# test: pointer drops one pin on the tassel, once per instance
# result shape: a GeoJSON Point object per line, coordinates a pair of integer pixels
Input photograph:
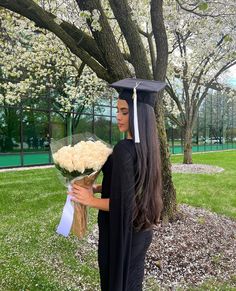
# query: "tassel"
{"type": "Point", "coordinates": [136, 130]}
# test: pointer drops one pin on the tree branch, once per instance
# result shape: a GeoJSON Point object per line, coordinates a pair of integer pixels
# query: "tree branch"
{"type": "Point", "coordinates": [209, 84]}
{"type": "Point", "coordinates": [151, 47]}
{"type": "Point", "coordinates": [130, 31]}
{"type": "Point", "coordinates": [152, 52]}
{"type": "Point", "coordinates": [204, 63]}
{"type": "Point", "coordinates": [193, 10]}
{"type": "Point", "coordinates": [170, 91]}
{"type": "Point", "coordinates": [160, 37]}
{"type": "Point", "coordinates": [106, 41]}
{"type": "Point", "coordinates": [84, 41]}
{"type": "Point", "coordinates": [42, 18]}
{"type": "Point", "coordinates": [182, 48]}
{"type": "Point", "coordinates": [174, 119]}
{"type": "Point", "coordinates": [79, 73]}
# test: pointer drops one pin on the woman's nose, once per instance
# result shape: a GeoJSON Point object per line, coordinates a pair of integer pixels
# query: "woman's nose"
{"type": "Point", "coordinates": [118, 116]}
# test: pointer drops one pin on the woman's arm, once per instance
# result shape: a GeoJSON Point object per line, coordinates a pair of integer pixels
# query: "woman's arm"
{"type": "Point", "coordinates": [85, 197]}
{"type": "Point", "coordinates": [100, 203]}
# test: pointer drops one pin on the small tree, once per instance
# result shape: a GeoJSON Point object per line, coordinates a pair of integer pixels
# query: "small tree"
{"type": "Point", "coordinates": [202, 42]}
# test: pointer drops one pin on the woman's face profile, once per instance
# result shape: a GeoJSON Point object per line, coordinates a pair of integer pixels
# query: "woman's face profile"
{"type": "Point", "coordinates": [122, 115]}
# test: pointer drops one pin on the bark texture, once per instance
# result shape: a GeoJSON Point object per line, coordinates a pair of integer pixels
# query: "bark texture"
{"type": "Point", "coordinates": [129, 28]}
{"type": "Point", "coordinates": [169, 192]}
{"type": "Point", "coordinates": [159, 31]}
{"type": "Point", "coordinates": [188, 145]}
{"type": "Point", "coordinates": [105, 39]}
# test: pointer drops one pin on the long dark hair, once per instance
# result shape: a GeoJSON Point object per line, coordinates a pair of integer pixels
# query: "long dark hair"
{"type": "Point", "coordinates": [148, 199]}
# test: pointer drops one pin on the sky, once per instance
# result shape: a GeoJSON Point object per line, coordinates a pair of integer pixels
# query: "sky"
{"type": "Point", "coordinates": [231, 77]}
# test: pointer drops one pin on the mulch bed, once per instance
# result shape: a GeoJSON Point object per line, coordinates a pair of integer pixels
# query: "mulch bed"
{"type": "Point", "coordinates": [196, 169]}
{"type": "Point", "coordinates": [200, 246]}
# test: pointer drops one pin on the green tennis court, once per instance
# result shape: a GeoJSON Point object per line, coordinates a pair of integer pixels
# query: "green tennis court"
{"type": "Point", "coordinates": [44, 158]}
{"type": "Point", "coordinates": [16, 160]}
{"type": "Point", "coordinates": [204, 148]}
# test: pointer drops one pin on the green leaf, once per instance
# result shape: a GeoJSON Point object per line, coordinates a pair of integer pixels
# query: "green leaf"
{"type": "Point", "coordinates": [228, 38]}
{"type": "Point", "coordinates": [203, 6]}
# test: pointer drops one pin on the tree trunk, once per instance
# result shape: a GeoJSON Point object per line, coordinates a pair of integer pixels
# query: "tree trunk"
{"type": "Point", "coordinates": [188, 145]}
{"type": "Point", "coordinates": [69, 127]}
{"type": "Point", "coordinates": [159, 31]}
{"type": "Point", "coordinates": [169, 193]}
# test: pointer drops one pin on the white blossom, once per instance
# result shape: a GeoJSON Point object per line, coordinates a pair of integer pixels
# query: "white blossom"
{"type": "Point", "coordinates": [35, 63]}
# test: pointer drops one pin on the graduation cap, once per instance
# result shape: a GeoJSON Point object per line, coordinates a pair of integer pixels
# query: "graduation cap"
{"type": "Point", "coordinates": [138, 90]}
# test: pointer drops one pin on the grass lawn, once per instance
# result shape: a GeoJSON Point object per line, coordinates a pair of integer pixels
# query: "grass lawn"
{"type": "Point", "coordinates": [34, 257]}
{"type": "Point", "coordinates": [216, 192]}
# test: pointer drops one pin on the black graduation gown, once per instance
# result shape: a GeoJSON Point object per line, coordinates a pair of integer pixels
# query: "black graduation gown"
{"type": "Point", "coordinates": [121, 250]}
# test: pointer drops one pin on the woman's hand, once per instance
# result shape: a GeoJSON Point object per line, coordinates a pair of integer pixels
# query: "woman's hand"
{"type": "Point", "coordinates": [82, 195]}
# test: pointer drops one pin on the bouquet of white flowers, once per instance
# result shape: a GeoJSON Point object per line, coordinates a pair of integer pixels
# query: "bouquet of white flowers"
{"type": "Point", "coordinates": [79, 159]}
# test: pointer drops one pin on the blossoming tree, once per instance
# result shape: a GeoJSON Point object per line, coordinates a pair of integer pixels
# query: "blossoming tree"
{"type": "Point", "coordinates": [202, 48]}
{"type": "Point", "coordinates": [35, 64]}
{"type": "Point", "coordinates": [109, 38]}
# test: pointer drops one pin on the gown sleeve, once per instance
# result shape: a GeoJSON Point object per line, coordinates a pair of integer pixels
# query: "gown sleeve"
{"type": "Point", "coordinates": [121, 204]}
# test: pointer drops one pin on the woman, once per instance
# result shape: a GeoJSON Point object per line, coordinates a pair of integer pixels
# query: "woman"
{"type": "Point", "coordinates": [130, 203]}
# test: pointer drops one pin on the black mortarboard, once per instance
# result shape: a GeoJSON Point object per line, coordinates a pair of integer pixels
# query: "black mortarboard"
{"type": "Point", "coordinates": [138, 90]}
{"type": "Point", "coordinates": [146, 89]}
